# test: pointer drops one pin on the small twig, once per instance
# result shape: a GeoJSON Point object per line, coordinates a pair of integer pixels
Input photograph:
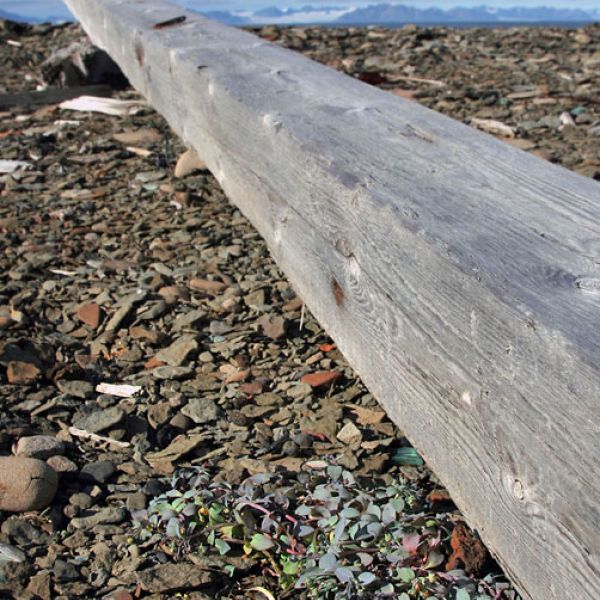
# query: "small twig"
{"type": "Point", "coordinates": [257, 507]}
{"type": "Point", "coordinates": [81, 433]}
{"type": "Point", "coordinates": [273, 562]}
{"type": "Point", "coordinates": [302, 316]}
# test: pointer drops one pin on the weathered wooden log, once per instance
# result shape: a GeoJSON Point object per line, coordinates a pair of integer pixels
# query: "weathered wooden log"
{"type": "Point", "coordinates": [459, 276]}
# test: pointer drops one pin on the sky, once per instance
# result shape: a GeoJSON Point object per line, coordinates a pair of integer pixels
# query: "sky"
{"type": "Point", "coordinates": [55, 8]}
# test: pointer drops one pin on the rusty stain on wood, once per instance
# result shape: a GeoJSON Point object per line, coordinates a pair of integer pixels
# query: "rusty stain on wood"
{"type": "Point", "coordinates": [139, 55]}
{"type": "Point", "coordinates": [338, 292]}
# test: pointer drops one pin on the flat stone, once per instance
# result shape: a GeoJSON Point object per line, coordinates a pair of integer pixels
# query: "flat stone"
{"type": "Point", "coordinates": [168, 372]}
{"type": "Point", "coordinates": [321, 378]}
{"type": "Point", "coordinates": [201, 410]}
{"type": "Point", "coordinates": [81, 500]}
{"type": "Point", "coordinates": [91, 314]}
{"type": "Point", "coordinates": [189, 320]}
{"type": "Point", "coordinates": [26, 484]}
{"type": "Point", "coordinates": [208, 286]}
{"type": "Point", "coordinates": [219, 328]}
{"type": "Point", "coordinates": [176, 354]}
{"type": "Point", "coordinates": [273, 326]}
{"type": "Point", "coordinates": [255, 299]}
{"type": "Point", "coordinates": [158, 414]}
{"type": "Point", "coordinates": [349, 434]}
{"type": "Point", "coordinates": [136, 501]}
{"type": "Point", "coordinates": [139, 137]}
{"type": "Point", "coordinates": [101, 420]}
{"type": "Point", "coordinates": [40, 585]}
{"type": "Point", "coordinates": [143, 333]}
{"type": "Point", "coordinates": [22, 373]}
{"type": "Point", "coordinates": [171, 577]}
{"type": "Point", "coordinates": [179, 447]}
{"type": "Point", "coordinates": [61, 464]}
{"type": "Point", "coordinates": [111, 515]}
{"type": "Point", "coordinates": [174, 293]}
{"type": "Point", "coordinates": [39, 446]}
{"type": "Point", "coordinates": [76, 388]}
{"type": "Point", "coordinates": [99, 472]}
{"type": "Point", "coordinates": [180, 421]}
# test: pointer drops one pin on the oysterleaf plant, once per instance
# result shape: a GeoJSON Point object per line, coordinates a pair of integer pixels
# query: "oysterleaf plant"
{"type": "Point", "coordinates": [324, 532]}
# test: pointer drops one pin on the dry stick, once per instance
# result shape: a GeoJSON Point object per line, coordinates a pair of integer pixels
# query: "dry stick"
{"type": "Point", "coordinates": [81, 433]}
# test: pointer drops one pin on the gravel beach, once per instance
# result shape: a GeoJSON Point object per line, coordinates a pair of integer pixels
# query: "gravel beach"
{"type": "Point", "coordinates": [149, 344]}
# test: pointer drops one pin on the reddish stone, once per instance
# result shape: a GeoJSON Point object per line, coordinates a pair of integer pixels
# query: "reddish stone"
{"type": "Point", "coordinates": [273, 326]}
{"type": "Point", "coordinates": [90, 314]}
{"type": "Point", "coordinates": [172, 293]}
{"type": "Point", "coordinates": [153, 362]}
{"type": "Point", "coordinates": [251, 389]}
{"type": "Point", "coordinates": [327, 347]}
{"type": "Point", "coordinates": [207, 286]}
{"type": "Point", "coordinates": [293, 305]}
{"type": "Point", "coordinates": [321, 378]}
{"type": "Point", "coordinates": [467, 551]}
{"type": "Point", "coordinates": [22, 373]}
{"type": "Point", "coordinates": [439, 496]}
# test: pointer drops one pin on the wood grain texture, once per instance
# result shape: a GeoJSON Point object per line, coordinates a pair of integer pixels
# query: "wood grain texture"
{"type": "Point", "coordinates": [458, 275]}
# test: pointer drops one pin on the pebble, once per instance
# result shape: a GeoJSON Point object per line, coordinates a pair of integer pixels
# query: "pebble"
{"type": "Point", "coordinates": [136, 501]}
{"type": "Point", "coordinates": [176, 354]}
{"type": "Point", "coordinates": [22, 532]}
{"type": "Point", "coordinates": [349, 434]}
{"type": "Point", "coordinates": [61, 464]}
{"type": "Point", "coordinates": [105, 516]}
{"type": "Point", "coordinates": [207, 286]}
{"type": "Point", "coordinates": [81, 500]}
{"type": "Point", "coordinates": [26, 484]}
{"type": "Point", "coordinates": [201, 410]}
{"type": "Point", "coordinates": [99, 471]}
{"type": "Point", "coordinates": [101, 420]}
{"type": "Point", "coordinates": [64, 571]}
{"type": "Point", "coordinates": [39, 446]}
{"type": "Point", "coordinates": [91, 314]}
{"type": "Point", "coordinates": [180, 421]}
{"type": "Point", "coordinates": [321, 379]}
{"type": "Point", "coordinates": [76, 388]}
{"type": "Point", "coordinates": [22, 373]}
{"type": "Point", "coordinates": [273, 326]}
{"type": "Point", "coordinates": [168, 372]}
{"type": "Point", "coordinates": [158, 414]}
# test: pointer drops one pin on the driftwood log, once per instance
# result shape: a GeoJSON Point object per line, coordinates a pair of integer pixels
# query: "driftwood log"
{"type": "Point", "coordinates": [459, 276]}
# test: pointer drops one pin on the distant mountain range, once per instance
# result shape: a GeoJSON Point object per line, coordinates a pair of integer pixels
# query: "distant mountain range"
{"type": "Point", "coordinates": [381, 14]}
{"type": "Point", "coordinates": [274, 14]}
{"type": "Point", "coordinates": [400, 13]}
